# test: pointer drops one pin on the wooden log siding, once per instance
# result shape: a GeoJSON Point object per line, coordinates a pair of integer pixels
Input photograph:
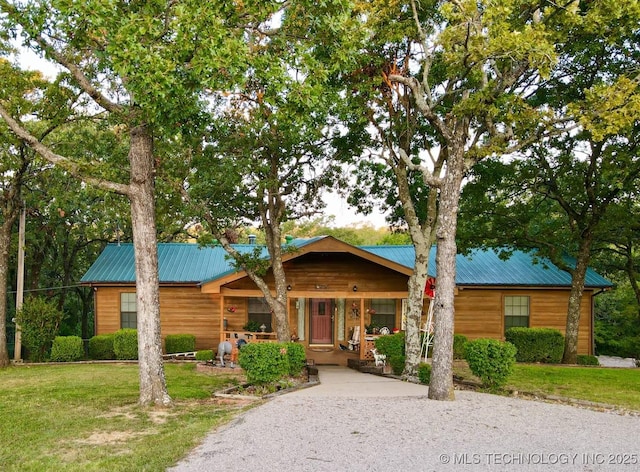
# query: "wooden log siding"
{"type": "Point", "coordinates": [183, 310]}
{"type": "Point", "coordinates": [333, 273]}
{"type": "Point", "coordinates": [480, 313]}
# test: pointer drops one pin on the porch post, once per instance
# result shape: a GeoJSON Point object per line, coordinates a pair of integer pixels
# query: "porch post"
{"type": "Point", "coordinates": [362, 331]}
{"type": "Point", "coordinates": [222, 338]}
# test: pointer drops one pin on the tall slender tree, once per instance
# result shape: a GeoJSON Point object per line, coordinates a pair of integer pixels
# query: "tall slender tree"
{"type": "Point", "coordinates": [144, 66]}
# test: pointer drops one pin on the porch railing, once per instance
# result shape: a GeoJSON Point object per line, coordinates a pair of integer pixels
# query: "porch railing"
{"type": "Point", "coordinates": [251, 337]}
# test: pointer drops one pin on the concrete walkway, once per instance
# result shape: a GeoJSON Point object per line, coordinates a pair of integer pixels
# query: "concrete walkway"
{"type": "Point", "coordinates": [361, 422]}
{"type": "Point", "coordinates": [343, 382]}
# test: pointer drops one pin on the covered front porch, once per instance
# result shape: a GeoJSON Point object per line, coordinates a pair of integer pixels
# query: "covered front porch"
{"type": "Point", "coordinates": [332, 330]}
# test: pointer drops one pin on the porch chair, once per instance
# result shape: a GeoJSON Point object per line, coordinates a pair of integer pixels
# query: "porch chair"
{"type": "Point", "coordinates": [354, 342]}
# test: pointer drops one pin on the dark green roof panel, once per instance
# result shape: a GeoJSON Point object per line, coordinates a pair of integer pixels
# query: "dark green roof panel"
{"type": "Point", "coordinates": [189, 263]}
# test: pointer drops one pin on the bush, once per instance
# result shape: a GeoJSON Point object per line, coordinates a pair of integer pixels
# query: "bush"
{"type": "Point", "coordinates": [491, 360]}
{"type": "Point", "coordinates": [391, 345]}
{"type": "Point", "coordinates": [397, 364]}
{"type": "Point", "coordinates": [537, 344]}
{"type": "Point", "coordinates": [39, 320]}
{"type": "Point", "coordinates": [459, 341]}
{"type": "Point", "coordinates": [67, 349]}
{"type": "Point", "coordinates": [252, 326]}
{"type": "Point", "coordinates": [101, 347]}
{"type": "Point", "coordinates": [175, 343]}
{"type": "Point", "coordinates": [587, 360]}
{"type": "Point", "coordinates": [424, 373]}
{"type": "Point", "coordinates": [125, 344]}
{"type": "Point", "coordinates": [205, 355]}
{"type": "Point", "coordinates": [264, 362]}
{"type": "Point", "coordinates": [297, 358]}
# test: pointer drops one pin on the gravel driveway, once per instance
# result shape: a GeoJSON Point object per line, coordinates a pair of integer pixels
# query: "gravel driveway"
{"type": "Point", "coordinates": [361, 422]}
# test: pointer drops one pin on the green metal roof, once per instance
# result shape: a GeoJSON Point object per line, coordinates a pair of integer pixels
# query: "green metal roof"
{"type": "Point", "coordinates": [190, 263]}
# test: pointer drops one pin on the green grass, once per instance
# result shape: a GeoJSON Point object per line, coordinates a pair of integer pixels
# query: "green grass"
{"type": "Point", "coordinates": [618, 387]}
{"type": "Point", "coordinates": [85, 417]}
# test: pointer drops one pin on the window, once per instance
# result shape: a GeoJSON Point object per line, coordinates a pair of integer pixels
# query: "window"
{"type": "Point", "coordinates": [516, 312]}
{"type": "Point", "coordinates": [385, 313]}
{"type": "Point", "coordinates": [128, 310]}
{"type": "Point", "coordinates": [260, 312]}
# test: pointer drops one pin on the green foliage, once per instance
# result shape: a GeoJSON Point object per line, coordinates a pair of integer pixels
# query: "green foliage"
{"type": "Point", "coordinates": [459, 342]}
{"type": "Point", "coordinates": [39, 320]}
{"type": "Point", "coordinates": [491, 360]}
{"type": "Point", "coordinates": [125, 344]}
{"type": "Point", "coordinates": [391, 345]}
{"type": "Point", "coordinates": [297, 358]}
{"type": "Point", "coordinates": [179, 343]}
{"type": "Point", "coordinates": [101, 347]}
{"type": "Point", "coordinates": [424, 373]}
{"type": "Point", "coordinates": [205, 355]}
{"type": "Point", "coordinates": [264, 362]}
{"type": "Point", "coordinates": [537, 344]}
{"type": "Point", "coordinates": [67, 349]}
{"type": "Point", "coordinates": [587, 360]}
{"type": "Point", "coordinates": [397, 363]}
{"type": "Point", "coordinates": [617, 324]}
{"type": "Point", "coordinates": [252, 326]}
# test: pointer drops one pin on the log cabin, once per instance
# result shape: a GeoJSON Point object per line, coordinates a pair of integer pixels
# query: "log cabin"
{"type": "Point", "coordinates": [340, 296]}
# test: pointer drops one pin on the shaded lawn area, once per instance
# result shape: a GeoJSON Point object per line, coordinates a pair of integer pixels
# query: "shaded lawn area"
{"type": "Point", "coordinates": [618, 387]}
{"type": "Point", "coordinates": [85, 417]}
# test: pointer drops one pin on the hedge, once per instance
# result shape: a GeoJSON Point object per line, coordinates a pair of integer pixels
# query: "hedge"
{"type": "Point", "coordinates": [101, 347]}
{"type": "Point", "coordinates": [491, 360]}
{"type": "Point", "coordinates": [424, 373]}
{"type": "Point", "coordinates": [125, 344]}
{"type": "Point", "coordinates": [175, 343]}
{"type": "Point", "coordinates": [391, 345]}
{"type": "Point", "coordinates": [588, 360]}
{"type": "Point", "coordinates": [204, 355]}
{"type": "Point", "coordinates": [537, 344]}
{"type": "Point", "coordinates": [297, 357]}
{"type": "Point", "coordinates": [264, 362]}
{"type": "Point", "coordinates": [459, 341]}
{"type": "Point", "coordinates": [67, 349]}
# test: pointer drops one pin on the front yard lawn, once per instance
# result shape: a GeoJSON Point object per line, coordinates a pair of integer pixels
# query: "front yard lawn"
{"type": "Point", "coordinates": [618, 387]}
{"type": "Point", "coordinates": [86, 418]}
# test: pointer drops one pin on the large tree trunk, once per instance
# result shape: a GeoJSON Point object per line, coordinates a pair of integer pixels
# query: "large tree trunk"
{"type": "Point", "coordinates": [578, 276]}
{"type": "Point", "coordinates": [415, 304]}
{"type": "Point", "coordinates": [153, 389]}
{"type": "Point", "coordinates": [441, 384]}
{"type": "Point", "coordinates": [279, 303]}
{"type": "Point", "coordinates": [5, 246]}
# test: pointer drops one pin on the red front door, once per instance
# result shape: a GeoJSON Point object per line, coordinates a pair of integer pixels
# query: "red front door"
{"type": "Point", "coordinates": [321, 321]}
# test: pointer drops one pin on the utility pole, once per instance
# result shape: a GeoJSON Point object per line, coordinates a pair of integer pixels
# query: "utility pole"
{"type": "Point", "coordinates": [17, 353]}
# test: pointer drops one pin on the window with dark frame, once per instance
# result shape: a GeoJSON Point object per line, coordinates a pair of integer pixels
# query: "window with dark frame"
{"type": "Point", "coordinates": [385, 313]}
{"type": "Point", "coordinates": [260, 312]}
{"type": "Point", "coordinates": [516, 312]}
{"type": "Point", "coordinates": [128, 310]}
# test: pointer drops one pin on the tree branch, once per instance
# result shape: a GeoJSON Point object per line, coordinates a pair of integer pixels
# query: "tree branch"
{"type": "Point", "coordinates": [70, 166]}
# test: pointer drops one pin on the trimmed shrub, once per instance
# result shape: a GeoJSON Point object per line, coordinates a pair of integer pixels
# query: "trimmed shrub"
{"type": "Point", "coordinates": [537, 344]}
{"type": "Point", "coordinates": [125, 344]}
{"type": "Point", "coordinates": [397, 363]}
{"type": "Point", "coordinates": [391, 345]}
{"type": "Point", "coordinates": [491, 360]}
{"type": "Point", "coordinates": [459, 341]}
{"type": "Point", "coordinates": [588, 360]}
{"type": "Point", "coordinates": [297, 358]}
{"type": "Point", "coordinates": [424, 373]}
{"type": "Point", "coordinates": [101, 347]}
{"type": "Point", "coordinates": [264, 362]}
{"type": "Point", "coordinates": [39, 320]}
{"type": "Point", "coordinates": [174, 343]}
{"type": "Point", "coordinates": [67, 349]}
{"type": "Point", "coordinates": [205, 355]}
